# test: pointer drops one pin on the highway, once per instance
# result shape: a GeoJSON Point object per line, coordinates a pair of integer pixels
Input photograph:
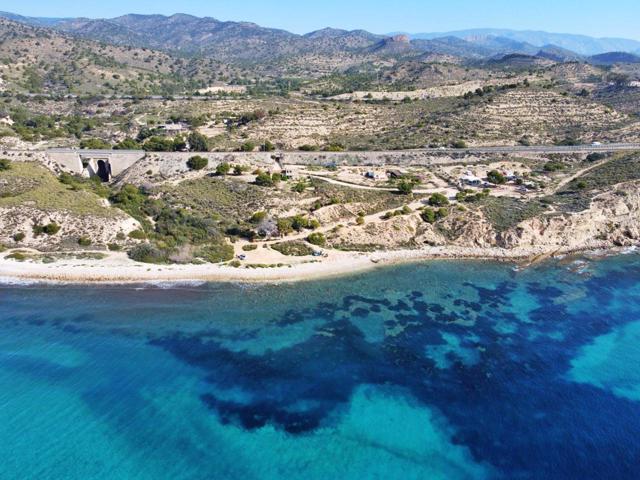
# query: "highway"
{"type": "Point", "coordinates": [540, 149]}
{"type": "Point", "coordinates": [544, 149]}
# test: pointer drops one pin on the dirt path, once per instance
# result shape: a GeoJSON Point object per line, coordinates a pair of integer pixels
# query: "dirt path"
{"type": "Point", "coordinates": [342, 183]}
{"type": "Point", "coordinates": [580, 173]}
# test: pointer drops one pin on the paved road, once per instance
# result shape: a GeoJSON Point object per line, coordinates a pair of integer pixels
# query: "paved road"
{"type": "Point", "coordinates": [607, 147]}
{"type": "Point", "coordinates": [543, 149]}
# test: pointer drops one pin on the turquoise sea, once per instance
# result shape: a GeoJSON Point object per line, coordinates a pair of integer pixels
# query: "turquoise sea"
{"type": "Point", "coordinates": [441, 370]}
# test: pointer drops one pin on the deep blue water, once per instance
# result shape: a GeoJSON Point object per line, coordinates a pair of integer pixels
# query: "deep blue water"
{"type": "Point", "coordinates": [444, 370]}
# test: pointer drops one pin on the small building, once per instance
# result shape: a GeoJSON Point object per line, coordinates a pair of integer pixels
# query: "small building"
{"type": "Point", "coordinates": [395, 174]}
{"type": "Point", "coordinates": [470, 180]}
{"type": "Point", "coordinates": [510, 176]}
{"type": "Point", "coordinates": [172, 128]}
{"type": "Point", "coordinates": [373, 175]}
{"type": "Point", "coordinates": [289, 172]}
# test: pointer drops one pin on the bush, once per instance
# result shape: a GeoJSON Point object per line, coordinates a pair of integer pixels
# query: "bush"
{"type": "Point", "coordinates": [114, 247]}
{"type": "Point", "coordinates": [405, 187]}
{"type": "Point", "coordinates": [18, 237]}
{"type": "Point", "coordinates": [17, 256]}
{"type": "Point", "coordinates": [197, 163]}
{"type": "Point", "coordinates": [496, 177]}
{"type": "Point", "coordinates": [317, 239]}
{"type": "Point", "coordinates": [308, 148]}
{"type": "Point", "coordinates": [553, 166]}
{"type": "Point", "coordinates": [263, 179]}
{"type": "Point", "coordinates": [249, 248]}
{"type": "Point", "coordinates": [198, 142]}
{"type": "Point", "coordinates": [147, 253]}
{"type": "Point", "coordinates": [216, 253]}
{"type": "Point", "coordinates": [284, 226]}
{"type": "Point", "coordinates": [5, 164]}
{"type": "Point", "coordinates": [50, 229]}
{"type": "Point", "coordinates": [334, 147]}
{"type": "Point", "coordinates": [161, 144]}
{"type": "Point", "coordinates": [138, 235]}
{"type": "Point", "coordinates": [247, 147]}
{"type": "Point", "coordinates": [127, 144]}
{"type": "Point", "coordinates": [459, 144]}
{"type": "Point", "coordinates": [268, 146]}
{"type": "Point", "coordinates": [360, 220]}
{"type": "Point", "coordinates": [293, 249]}
{"type": "Point", "coordinates": [84, 241]}
{"type": "Point", "coordinates": [438, 200]}
{"type": "Point", "coordinates": [594, 157]}
{"type": "Point", "coordinates": [223, 169]}
{"type": "Point", "coordinates": [430, 215]}
{"type": "Point", "coordinates": [94, 144]}
{"type": "Point", "coordinates": [299, 187]}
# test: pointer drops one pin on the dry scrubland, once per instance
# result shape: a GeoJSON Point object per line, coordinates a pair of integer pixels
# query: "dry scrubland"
{"type": "Point", "coordinates": [161, 212]}
{"type": "Point", "coordinates": [313, 211]}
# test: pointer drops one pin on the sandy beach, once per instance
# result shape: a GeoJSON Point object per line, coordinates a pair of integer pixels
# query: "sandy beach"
{"type": "Point", "coordinates": [117, 268]}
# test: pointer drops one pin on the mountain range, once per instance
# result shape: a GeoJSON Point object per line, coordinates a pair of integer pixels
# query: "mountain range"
{"type": "Point", "coordinates": [580, 44]}
{"type": "Point", "coordinates": [247, 42]}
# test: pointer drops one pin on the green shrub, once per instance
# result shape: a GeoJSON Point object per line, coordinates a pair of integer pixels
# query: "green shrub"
{"type": "Point", "coordinates": [308, 148]}
{"type": "Point", "coordinates": [94, 144]}
{"type": "Point", "coordinates": [263, 179]}
{"type": "Point", "coordinates": [293, 249]}
{"type": "Point", "coordinates": [317, 239]}
{"type": "Point", "coordinates": [594, 157]}
{"type": "Point", "coordinates": [216, 253]}
{"type": "Point", "coordinates": [553, 166]}
{"type": "Point", "coordinates": [247, 147]}
{"type": "Point", "coordinates": [405, 187]}
{"type": "Point", "coordinates": [496, 177]}
{"type": "Point", "coordinates": [114, 247]}
{"type": "Point", "coordinates": [258, 217]}
{"type": "Point", "coordinates": [137, 235]}
{"type": "Point", "coordinates": [438, 200]}
{"type": "Point", "coordinates": [459, 144]}
{"type": "Point", "coordinates": [249, 248]}
{"type": "Point", "coordinates": [17, 256]}
{"type": "Point", "coordinates": [299, 187]}
{"type": "Point", "coordinates": [147, 253]}
{"type": "Point", "coordinates": [223, 169]}
{"type": "Point", "coordinates": [268, 146]}
{"type": "Point", "coordinates": [198, 142]}
{"type": "Point", "coordinates": [49, 229]}
{"type": "Point", "coordinates": [430, 215]}
{"type": "Point", "coordinates": [5, 164]}
{"type": "Point", "coordinates": [127, 144]}
{"type": "Point", "coordinates": [334, 147]}
{"type": "Point", "coordinates": [197, 163]}
{"type": "Point", "coordinates": [18, 237]}
{"type": "Point", "coordinates": [84, 241]}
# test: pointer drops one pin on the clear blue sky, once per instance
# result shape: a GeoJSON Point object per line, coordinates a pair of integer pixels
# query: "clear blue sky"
{"type": "Point", "coordinates": [613, 18]}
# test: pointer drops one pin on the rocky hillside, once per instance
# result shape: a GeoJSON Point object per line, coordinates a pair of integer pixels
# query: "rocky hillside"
{"type": "Point", "coordinates": [42, 60]}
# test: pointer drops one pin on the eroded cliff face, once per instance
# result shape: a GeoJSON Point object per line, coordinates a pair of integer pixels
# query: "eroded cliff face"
{"type": "Point", "coordinates": [612, 220]}
{"type": "Point", "coordinates": [100, 230]}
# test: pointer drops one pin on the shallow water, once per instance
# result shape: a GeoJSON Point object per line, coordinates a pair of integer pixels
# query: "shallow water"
{"type": "Point", "coordinates": [451, 370]}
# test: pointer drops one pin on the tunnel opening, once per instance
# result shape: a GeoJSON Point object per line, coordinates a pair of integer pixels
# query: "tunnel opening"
{"type": "Point", "coordinates": [104, 170]}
